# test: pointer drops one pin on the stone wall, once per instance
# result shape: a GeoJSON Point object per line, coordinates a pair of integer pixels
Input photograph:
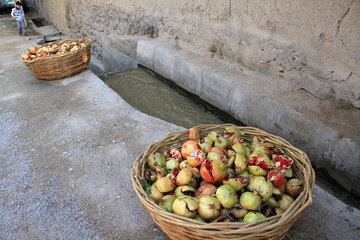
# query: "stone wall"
{"type": "Point", "coordinates": [313, 44]}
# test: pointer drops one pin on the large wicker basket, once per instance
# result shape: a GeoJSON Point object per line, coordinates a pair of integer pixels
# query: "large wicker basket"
{"type": "Point", "coordinates": [178, 227]}
{"type": "Point", "coordinates": [59, 66]}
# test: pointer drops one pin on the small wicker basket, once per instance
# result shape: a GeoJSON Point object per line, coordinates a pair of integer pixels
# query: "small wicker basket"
{"type": "Point", "coordinates": [178, 227]}
{"type": "Point", "coordinates": [59, 66]}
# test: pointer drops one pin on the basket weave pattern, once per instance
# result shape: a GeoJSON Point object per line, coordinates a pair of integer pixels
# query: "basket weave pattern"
{"type": "Point", "coordinates": [178, 227]}
{"type": "Point", "coordinates": [54, 67]}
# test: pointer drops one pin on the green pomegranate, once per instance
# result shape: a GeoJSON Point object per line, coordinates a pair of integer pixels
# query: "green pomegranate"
{"type": "Point", "coordinates": [155, 194]}
{"type": "Point", "coordinates": [184, 191]}
{"type": "Point", "coordinates": [164, 184]}
{"type": "Point", "coordinates": [226, 196]}
{"type": "Point", "coordinates": [222, 142]}
{"type": "Point", "coordinates": [214, 156]}
{"type": "Point", "coordinates": [250, 201]}
{"type": "Point", "coordinates": [209, 207]}
{"type": "Point", "coordinates": [185, 206]}
{"type": "Point", "coordinates": [252, 217]}
{"type": "Point", "coordinates": [213, 136]}
{"type": "Point", "coordinates": [156, 160]}
{"type": "Point", "coordinates": [166, 202]}
{"type": "Point", "coordinates": [238, 211]}
{"type": "Point", "coordinates": [263, 187]}
{"type": "Point", "coordinates": [240, 163]}
{"type": "Point", "coordinates": [172, 163]}
{"type": "Point", "coordinates": [237, 183]}
{"type": "Point", "coordinates": [285, 202]}
{"type": "Point", "coordinates": [198, 218]}
{"type": "Point", "coordinates": [184, 177]}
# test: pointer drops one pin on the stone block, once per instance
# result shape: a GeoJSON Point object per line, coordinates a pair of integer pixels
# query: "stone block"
{"type": "Point", "coordinates": [217, 88]}
{"type": "Point", "coordinates": [115, 61]}
{"type": "Point", "coordinates": [145, 53]}
{"type": "Point", "coordinates": [164, 62]}
{"type": "Point", "coordinates": [188, 73]}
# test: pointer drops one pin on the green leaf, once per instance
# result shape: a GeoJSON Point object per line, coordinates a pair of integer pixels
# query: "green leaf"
{"type": "Point", "coordinates": [242, 133]}
{"type": "Point", "coordinates": [146, 187]}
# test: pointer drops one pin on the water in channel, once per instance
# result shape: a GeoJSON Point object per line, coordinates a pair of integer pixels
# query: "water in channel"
{"type": "Point", "coordinates": [158, 97]}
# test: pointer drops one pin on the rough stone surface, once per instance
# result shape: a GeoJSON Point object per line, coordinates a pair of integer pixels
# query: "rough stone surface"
{"type": "Point", "coordinates": [313, 45]}
{"type": "Point", "coordinates": [66, 151]}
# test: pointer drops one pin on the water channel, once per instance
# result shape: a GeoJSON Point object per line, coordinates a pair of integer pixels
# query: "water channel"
{"type": "Point", "coordinates": [159, 97]}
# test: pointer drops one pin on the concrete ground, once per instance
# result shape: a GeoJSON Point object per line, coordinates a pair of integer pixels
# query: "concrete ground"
{"type": "Point", "coordinates": [66, 151]}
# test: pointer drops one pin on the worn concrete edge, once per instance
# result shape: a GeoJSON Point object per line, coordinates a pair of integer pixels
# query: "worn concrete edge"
{"type": "Point", "coordinates": [326, 147]}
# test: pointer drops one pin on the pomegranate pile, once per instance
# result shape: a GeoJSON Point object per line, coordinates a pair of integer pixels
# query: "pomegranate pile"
{"type": "Point", "coordinates": [52, 49]}
{"type": "Point", "coordinates": [222, 177]}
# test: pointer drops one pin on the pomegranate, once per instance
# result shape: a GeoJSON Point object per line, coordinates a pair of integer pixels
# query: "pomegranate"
{"type": "Point", "coordinates": [193, 183]}
{"type": "Point", "coordinates": [185, 206]}
{"type": "Point", "coordinates": [276, 177]}
{"type": "Point", "coordinates": [205, 147]}
{"type": "Point", "coordinates": [277, 194]}
{"type": "Point", "coordinates": [271, 202]}
{"type": "Point", "coordinates": [213, 136]}
{"type": "Point", "coordinates": [33, 49]}
{"type": "Point", "coordinates": [240, 163]}
{"type": "Point", "coordinates": [239, 148]}
{"type": "Point", "coordinates": [263, 187]}
{"type": "Point", "coordinates": [259, 164]}
{"type": "Point", "coordinates": [198, 218]}
{"type": "Point", "coordinates": [250, 201]}
{"type": "Point", "coordinates": [194, 133]}
{"type": "Point", "coordinates": [25, 56]}
{"type": "Point", "coordinates": [164, 184]}
{"type": "Point", "coordinates": [231, 153]}
{"type": "Point", "coordinates": [155, 160]}
{"type": "Point", "coordinates": [173, 174]}
{"type": "Point", "coordinates": [238, 211]}
{"type": "Point", "coordinates": [237, 183]}
{"type": "Point", "coordinates": [195, 172]}
{"type": "Point", "coordinates": [222, 142]}
{"type": "Point", "coordinates": [279, 211]}
{"type": "Point", "coordinates": [155, 194]}
{"type": "Point", "coordinates": [184, 190]}
{"type": "Point", "coordinates": [184, 164]}
{"type": "Point", "coordinates": [196, 158]}
{"type": "Point", "coordinates": [214, 155]}
{"type": "Point", "coordinates": [252, 217]}
{"type": "Point", "coordinates": [175, 153]}
{"type": "Point", "coordinates": [244, 174]}
{"type": "Point", "coordinates": [264, 148]}
{"type": "Point", "coordinates": [209, 207]}
{"type": "Point", "coordinates": [282, 162]}
{"type": "Point", "coordinates": [188, 147]}
{"type": "Point", "coordinates": [285, 202]}
{"type": "Point", "coordinates": [166, 202]}
{"type": "Point", "coordinates": [237, 139]}
{"type": "Point", "coordinates": [294, 187]}
{"type": "Point", "coordinates": [221, 219]}
{"type": "Point", "coordinates": [226, 196]}
{"type": "Point", "coordinates": [184, 177]}
{"type": "Point", "coordinates": [205, 189]}
{"type": "Point", "coordinates": [172, 163]}
{"type": "Point", "coordinates": [213, 171]}
{"type": "Point", "coordinates": [221, 150]}
{"type": "Point", "coordinates": [151, 175]}
{"type": "Point", "coordinates": [256, 141]}
{"type": "Point", "coordinates": [230, 173]}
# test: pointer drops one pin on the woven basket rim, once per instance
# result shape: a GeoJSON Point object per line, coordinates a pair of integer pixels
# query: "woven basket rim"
{"type": "Point", "coordinates": [53, 56]}
{"type": "Point", "coordinates": [272, 224]}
